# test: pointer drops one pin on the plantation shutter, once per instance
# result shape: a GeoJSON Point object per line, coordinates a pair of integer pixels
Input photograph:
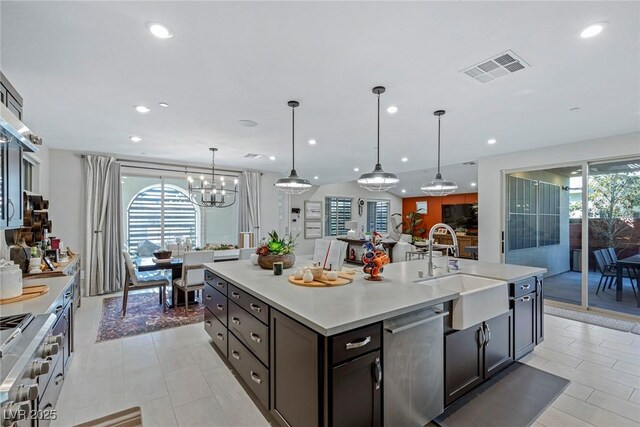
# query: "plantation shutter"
{"type": "Point", "coordinates": [338, 211]}
{"type": "Point", "coordinates": [146, 215]}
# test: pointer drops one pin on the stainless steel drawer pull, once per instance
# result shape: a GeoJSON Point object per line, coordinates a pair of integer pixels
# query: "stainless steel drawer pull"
{"type": "Point", "coordinates": [67, 295]}
{"type": "Point", "coordinates": [255, 377]}
{"type": "Point", "coordinates": [208, 297]}
{"type": "Point", "coordinates": [220, 285]}
{"type": "Point", "coordinates": [208, 322]}
{"type": "Point", "coordinates": [525, 287]}
{"type": "Point", "coordinates": [220, 307]}
{"type": "Point", "coordinates": [235, 295]}
{"type": "Point", "coordinates": [235, 320]}
{"type": "Point", "coordinates": [256, 337]}
{"type": "Point", "coordinates": [59, 309]}
{"type": "Point", "coordinates": [235, 355]}
{"type": "Point", "coordinates": [525, 299]}
{"type": "Point", "coordinates": [255, 307]}
{"type": "Point", "coordinates": [357, 344]}
{"type": "Point", "coordinates": [220, 336]}
{"type": "Point", "coordinates": [59, 379]}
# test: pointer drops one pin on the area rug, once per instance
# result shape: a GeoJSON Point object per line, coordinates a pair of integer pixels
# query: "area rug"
{"type": "Point", "coordinates": [144, 314]}
{"type": "Point", "coordinates": [594, 319]}
{"type": "Point", "coordinates": [493, 405]}
{"type": "Point", "coordinates": [131, 417]}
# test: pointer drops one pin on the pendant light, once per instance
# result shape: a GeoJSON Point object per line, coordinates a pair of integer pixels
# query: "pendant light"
{"type": "Point", "coordinates": [439, 186]}
{"type": "Point", "coordinates": [378, 180]}
{"type": "Point", "coordinates": [293, 184]}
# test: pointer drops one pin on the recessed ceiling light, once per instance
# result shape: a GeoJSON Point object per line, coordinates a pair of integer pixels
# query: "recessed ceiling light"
{"type": "Point", "coordinates": [142, 108]}
{"type": "Point", "coordinates": [159, 30]}
{"type": "Point", "coordinates": [135, 138]}
{"type": "Point", "coordinates": [312, 142]}
{"type": "Point", "coordinates": [315, 177]}
{"type": "Point", "coordinates": [163, 104]}
{"type": "Point", "coordinates": [491, 141]}
{"type": "Point", "coordinates": [392, 109]}
{"type": "Point", "coordinates": [473, 184]}
{"type": "Point", "coordinates": [593, 30]}
{"type": "Point", "coordinates": [405, 159]}
{"type": "Point", "coordinates": [403, 190]}
{"type": "Point", "coordinates": [248, 123]}
{"type": "Point", "coordinates": [272, 157]}
{"type": "Point", "coordinates": [356, 169]}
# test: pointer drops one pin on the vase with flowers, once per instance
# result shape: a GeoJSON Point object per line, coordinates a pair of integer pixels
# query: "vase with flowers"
{"type": "Point", "coordinates": [277, 249]}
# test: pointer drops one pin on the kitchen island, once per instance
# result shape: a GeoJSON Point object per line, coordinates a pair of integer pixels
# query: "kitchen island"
{"type": "Point", "coordinates": [315, 357]}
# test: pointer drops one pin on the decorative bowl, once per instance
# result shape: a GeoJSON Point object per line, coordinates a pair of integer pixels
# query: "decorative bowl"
{"type": "Point", "coordinates": [162, 254]}
{"type": "Point", "coordinates": [266, 261]}
{"type": "Point", "coordinates": [316, 271]}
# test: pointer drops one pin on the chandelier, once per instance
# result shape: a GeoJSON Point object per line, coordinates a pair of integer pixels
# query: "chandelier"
{"type": "Point", "coordinates": [213, 191]}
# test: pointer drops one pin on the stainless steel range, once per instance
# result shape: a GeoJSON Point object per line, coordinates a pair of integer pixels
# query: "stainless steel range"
{"type": "Point", "coordinates": [28, 352]}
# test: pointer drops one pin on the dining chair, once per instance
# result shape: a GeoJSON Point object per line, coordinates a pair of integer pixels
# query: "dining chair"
{"type": "Point", "coordinates": [245, 253]}
{"type": "Point", "coordinates": [192, 273]}
{"type": "Point", "coordinates": [134, 281]}
{"type": "Point", "coordinates": [609, 273]}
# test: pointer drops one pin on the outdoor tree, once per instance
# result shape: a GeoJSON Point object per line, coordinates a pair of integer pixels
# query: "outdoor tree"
{"type": "Point", "coordinates": [614, 204]}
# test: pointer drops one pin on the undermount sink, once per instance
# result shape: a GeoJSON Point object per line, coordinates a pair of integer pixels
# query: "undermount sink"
{"type": "Point", "coordinates": [480, 298]}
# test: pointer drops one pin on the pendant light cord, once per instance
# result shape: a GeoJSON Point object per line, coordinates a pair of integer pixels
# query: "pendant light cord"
{"type": "Point", "coordinates": [378, 162]}
{"type": "Point", "coordinates": [439, 145]}
{"type": "Point", "coordinates": [293, 129]}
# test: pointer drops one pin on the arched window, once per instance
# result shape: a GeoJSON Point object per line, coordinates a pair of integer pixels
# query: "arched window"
{"type": "Point", "coordinates": [150, 217]}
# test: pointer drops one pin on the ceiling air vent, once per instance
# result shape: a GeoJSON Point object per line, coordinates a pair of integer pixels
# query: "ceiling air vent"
{"type": "Point", "coordinates": [498, 66]}
{"type": "Point", "coordinates": [253, 156]}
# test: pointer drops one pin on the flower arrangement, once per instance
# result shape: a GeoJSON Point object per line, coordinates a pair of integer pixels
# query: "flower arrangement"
{"type": "Point", "coordinates": [277, 245]}
{"type": "Point", "coordinates": [277, 249]}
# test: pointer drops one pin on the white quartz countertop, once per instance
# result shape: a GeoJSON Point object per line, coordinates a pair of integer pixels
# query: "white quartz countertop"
{"type": "Point", "coordinates": [333, 310]}
{"type": "Point", "coordinates": [42, 304]}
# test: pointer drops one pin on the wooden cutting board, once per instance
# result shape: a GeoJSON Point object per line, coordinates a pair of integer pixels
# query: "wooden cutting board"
{"type": "Point", "coordinates": [29, 292]}
{"type": "Point", "coordinates": [343, 279]}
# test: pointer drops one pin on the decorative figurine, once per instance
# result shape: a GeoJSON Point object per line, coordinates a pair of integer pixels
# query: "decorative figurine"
{"type": "Point", "coordinates": [374, 258]}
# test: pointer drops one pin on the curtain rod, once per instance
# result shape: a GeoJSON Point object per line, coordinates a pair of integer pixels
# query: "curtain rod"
{"type": "Point", "coordinates": [174, 168]}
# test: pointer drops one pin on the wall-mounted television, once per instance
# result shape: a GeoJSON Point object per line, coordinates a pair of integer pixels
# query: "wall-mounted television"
{"type": "Point", "coordinates": [462, 215]}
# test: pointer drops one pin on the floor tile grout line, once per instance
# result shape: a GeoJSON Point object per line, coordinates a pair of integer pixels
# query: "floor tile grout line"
{"type": "Point", "coordinates": [573, 416]}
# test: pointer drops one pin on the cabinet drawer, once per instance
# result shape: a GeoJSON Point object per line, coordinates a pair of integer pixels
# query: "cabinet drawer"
{"type": "Point", "coordinates": [215, 282]}
{"type": "Point", "coordinates": [354, 343]}
{"type": "Point", "coordinates": [49, 395]}
{"type": "Point", "coordinates": [523, 287]}
{"type": "Point", "coordinates": [216, 330]}
{"type": "Point", "coordinates": [252, 372]}
{"type": "Point", "coordinates": [253, 305]}
{"type": "Point", "coordinates": [251, 332]}
{"type": "Point", "coordinates": [216, 303]}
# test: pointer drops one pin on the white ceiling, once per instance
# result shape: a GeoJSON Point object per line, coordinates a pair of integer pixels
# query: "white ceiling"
{"type": "Point", "coordinates": [81, 66]}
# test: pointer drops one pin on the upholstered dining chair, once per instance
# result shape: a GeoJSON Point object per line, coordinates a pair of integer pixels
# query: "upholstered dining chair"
{"type": "Point", "coordinates": [133, 281]}
{"type": "Point", "coordinates": [192, 273]}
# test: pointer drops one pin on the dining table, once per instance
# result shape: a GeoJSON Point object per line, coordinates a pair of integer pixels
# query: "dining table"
{"type": "Point", "coordinates": [633, 264]}
{"type": "Point", "coordinates": [174, 299]}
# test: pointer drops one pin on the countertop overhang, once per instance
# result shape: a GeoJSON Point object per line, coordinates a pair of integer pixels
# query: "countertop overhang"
{"type": "Point", "coordinates": [333, 310]}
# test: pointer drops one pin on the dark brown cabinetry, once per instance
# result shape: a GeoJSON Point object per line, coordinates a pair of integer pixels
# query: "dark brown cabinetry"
{"type": "Point", "coordinates": [356, 389]}
{"type": "Point", "coordinates": [11, 212]}
{"type": "Point", "coordinates": [527, 303]}
{"type": "Point", "coordinates": [475, 354]}
{"type": "Point", "coordinates": [10, 97]}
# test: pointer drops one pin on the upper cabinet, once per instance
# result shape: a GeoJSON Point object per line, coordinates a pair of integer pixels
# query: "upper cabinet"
{"type": "Point", "coordinates": [10, 97]}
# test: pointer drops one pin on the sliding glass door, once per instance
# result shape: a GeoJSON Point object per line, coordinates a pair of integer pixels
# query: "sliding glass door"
{"type": "Point", "coordinates": [579, 222]}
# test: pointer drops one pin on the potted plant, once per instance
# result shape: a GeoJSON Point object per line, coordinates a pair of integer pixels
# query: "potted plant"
{"type": "Point", "coordinates": [277, 249]}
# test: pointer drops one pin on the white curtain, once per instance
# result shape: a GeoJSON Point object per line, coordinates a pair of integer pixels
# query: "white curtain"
{"type": "Point", "coordinates": [103, 234]}
{"type": "Point", "coordinates": [250, 203]}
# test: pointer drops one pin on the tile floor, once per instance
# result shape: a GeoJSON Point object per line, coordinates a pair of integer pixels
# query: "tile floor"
{"type": "Point", "coordinates": [179, 380]}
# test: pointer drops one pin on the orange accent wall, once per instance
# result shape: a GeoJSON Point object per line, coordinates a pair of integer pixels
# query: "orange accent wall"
{"type": "Point", "coordinates": [434, 206]}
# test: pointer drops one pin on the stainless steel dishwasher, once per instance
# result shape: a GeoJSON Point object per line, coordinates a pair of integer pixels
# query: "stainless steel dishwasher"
{"type": "Point", "coordinates": [414, 367]}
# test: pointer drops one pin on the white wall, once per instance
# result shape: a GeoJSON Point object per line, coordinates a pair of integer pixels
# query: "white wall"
{"type": "Point", "coordinates": [346, 189]}
{"type": "Point", "coordinates": [490, 206]}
